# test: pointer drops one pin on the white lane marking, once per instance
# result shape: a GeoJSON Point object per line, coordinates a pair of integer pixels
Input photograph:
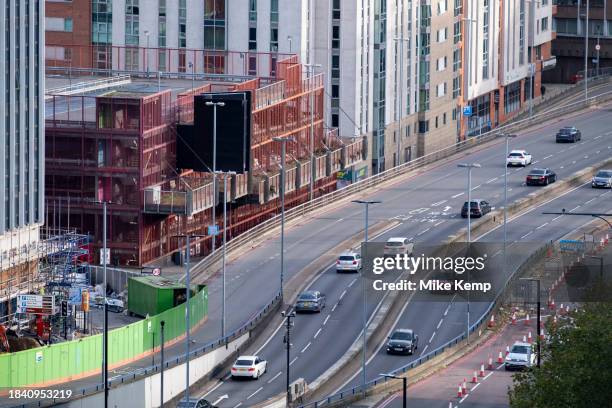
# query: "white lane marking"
{"type": "Point", "coordinates": [334, 308]}
{"type": "Point", "coordinates": [478, 186]}
{"type": "Point", "coordinates": [492, 180]}
{"type": "Point", "coordinates": [535, 162]}
{"type": "Point", "coordinates": [342, 294]}
{"type": "Point", "coordinates": [259, 389]}
{"type": "Point", "coordinates": [221, 398]}
{"type": "Point", "coordinates": [575, 208]}
{"type": "Point", "coordinates": [353, 281]}
{"type": "Point", "coordinates": [237, 405]}
{"type": "Point", "coordinates": [597, 137]}
{"type": "Point", "coordinates": [326, 319]}
{"type": "Point", "coordinates": [527, 234]}
{"type": "Point", "coordinates": [275, 377]}
{"type": "Point", "coordinates": [474, 387]}
{"type": "Point", "coordinates": [547, 157]}
{"type": "Point", "coordinates": [317, 333]}
{"type": "Point", "coordinates": [562, 167]}
{"type": "Point", "coordinates": [509, 189]}
{"type": "Point", "coordinates": [214, 388]}
{"type": "Point", "coordinates": [432, 336]}
{"type": "Point", "coordinates": [591, 200]}
{"type": "Point", "coordinates": [487, 376]}
{"type": "Point", "coordinates": [438, 223]}
{"type": "Point", "coordinates": [457, 195]}
{"type": "Point", "coordinates": [542, 226]}
{"type": "Point", "coordinates": [439, 324]}
{"type": "Point", "coordinates": [501, 365]}
{"type": "Point", "coordinates": [556, 218]}
{"type": "Point", "coordinates": [306, 348]}
{"type": "Point", "coordinates": [422, 232]}
{"type": "Point", "coordinates": [439, 203]}
{"type": "Point", "coordinates": [464, 398]}
{"type": "Point", "coordinates": [424, 348]}
{"type": "Point", "coordinates": [293, 361]}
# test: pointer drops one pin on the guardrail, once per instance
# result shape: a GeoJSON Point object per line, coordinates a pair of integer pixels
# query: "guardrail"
{"type": "Point", "coordinates": [364, 388]}
{"type": "Point", "coordinates": [89, 85]}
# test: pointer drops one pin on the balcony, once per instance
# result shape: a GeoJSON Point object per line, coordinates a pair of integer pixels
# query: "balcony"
{"type": "Point", "coordinates": [334, 161]}
{"type": "Point", "coordinates": [194, 196]}
{"type": "Point", "coordinates": [353, 153]}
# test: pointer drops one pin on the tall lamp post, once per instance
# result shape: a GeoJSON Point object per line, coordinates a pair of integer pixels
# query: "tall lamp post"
{"type": "Point", "coordinates": [187, 308]}
{"type": "Point", "coordinates": [469, 166]}
{"type": "Point", "coordinates": [223, 309]}
{"type": "Point", "coordinates": [538, 319]}
{"type": "Point", "coordinates": [289, 315]}
{"type": "Point", "coordinates": [161, 371]}
{"type": "Point", "coordinates": [311, 68]}
{"type": "Point", "coordinates": [146, 33]}
{"type": "Point", "coordinates": [214, 169]}
{"type": "Point", "coordinates": [290, 40]}
{"type": "Point", "coordinates": [508, 136]}
{"type": "Point", "coordinates": [400, 97]}
{"type": "Point", "coordinates": [405, 387]}
{"type": "Point", "coordinates": [192, 67]}
{"type": "Point", "coordinates": [586, 53]}
{"type": "Point", "coordinates": [283, 141]}
{"type": "Point", "coordinates": [363, 286]}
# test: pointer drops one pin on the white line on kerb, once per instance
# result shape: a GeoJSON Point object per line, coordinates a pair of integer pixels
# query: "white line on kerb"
{"type": "Point", "coordinates": [259, 389]}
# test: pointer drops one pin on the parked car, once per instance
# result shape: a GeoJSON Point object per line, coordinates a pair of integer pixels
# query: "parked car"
{"type": "Point", "coordinates": [518, 158]}
{"type": "Point", "coordinates": [478, 208]}
{"type": "Point", "coordinates": [194, 403]}
{"type": "Point", "coordinates": [402, 341]}
{"type": "Point", "coordinates": [574, 79]}
{"type": "Point", "coordinates": [249, 366]}
{"type": "Point", "coordinates": [310, 301]}
{"type": "Point", "coordinates": [398, 246]}
{"type": "Point", "coordinates": [540, 177]}
{"type": "Point", "coordinates": [348, 261]}
{"type": "Point", "coordinates": [603, 179]}
{"type": "Point", "coordinates": [522, 355]}
{"type": "Point", "coordinates": [568, 134]}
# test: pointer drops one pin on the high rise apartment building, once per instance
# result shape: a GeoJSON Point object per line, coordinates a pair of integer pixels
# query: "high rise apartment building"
{"type": "Point", "coordinates": [22, 147]}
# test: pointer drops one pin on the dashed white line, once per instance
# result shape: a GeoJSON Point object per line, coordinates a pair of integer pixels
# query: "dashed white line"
{"type": "Point", "coordinates": [591, 200]}
{"type": "Point", "coordinates": [317, 333]}
{"type": "Point", "coordinates": [342, 294]}
{"type": "Point", "coordinates": [237, 405]}
{"type": "Point", "coordinates": [474, 387]}
{"type": "Point", "coordinates": [575, 208]}
{"type": "Point", "coordinates": [457, 195]}
{"type": "Point", "coordinates": [424, 348]}
{"type": "Point", "coordinates": [492, 180]}
{"type": "Point", "coordinates": [439, 324]}
{"type": "Point", "coordinates": [275, 377]}
{"type": "Point", "coordinates": [542, 226]}
{"type": "Point", "coordinates": [326, 319]}
{"type": "Point", "coordinates": [597, 137]}
{"type": "Point", "coordinates": [464, 398]}
{"type": "Point", "coordinates": [422, 232]}
{"type": "Point", "coordinates": [353, 281]}
{"type": "Point", "coordinates": [527, 234]}
{"type": "Point", "coordinates": [432, 336]}
{"type": "Point", "coordinates": [306, 348]}
{"type": "Point", "coordinates": [547, 157]}
{"type": "Point", "coordinates": [556, 218]}
{"type": "Point", "coordinates": [334, 308]}
{"type": "Point", "coordinates": [438, 223]}
{"type": "Point", "coordinates": [439, 203]}
{"type": "Point", "coordinates": [478, 186]}
{"type": "Point", "coordinates": [259, 389]}
{"type": "Point", "coordinates": [293, 361]}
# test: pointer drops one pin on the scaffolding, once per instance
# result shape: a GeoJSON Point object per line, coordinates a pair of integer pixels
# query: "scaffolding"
{"type": "Point", "coordinates": [64, 258]}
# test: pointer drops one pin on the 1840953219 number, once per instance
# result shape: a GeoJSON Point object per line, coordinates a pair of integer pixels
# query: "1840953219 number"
{"type": "Point", "coordinates": [30, 393]}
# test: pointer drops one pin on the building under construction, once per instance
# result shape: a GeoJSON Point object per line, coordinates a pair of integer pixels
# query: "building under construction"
{"type": "Point", "coordinates": [119, 145]}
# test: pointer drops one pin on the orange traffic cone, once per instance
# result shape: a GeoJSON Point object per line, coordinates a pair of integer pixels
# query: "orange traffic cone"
{"type": "Point", "coordinates": [490, 366]}
{"type": "Point", "coordinates": [524, 339]}
{"type": "Point", "coordinates": [527, 320]}
{"type": "Point", "coordinates": [482, 374]}
{"type": "Point", "coordinates": [500, 358]}
{"type": "Point", "coordinates": [552, 304]}
{"type": "Point", "coordinates": [567, 309]}
{"type": "Point", "coordinates": [492, 321]}
{"type": "Point", "coordinates": [513, 318]}
{"type": "Point", "coordinates": [507, 350]}
{"type": "Point", "coordinates": [459, 392]}
{"type": "Point", "coordinates": [475, 378]}
{"type": "Point", "coordinates": [529, 339]}
{"type": "Point", "coordinates": [541, 334]}
{"type": "Point", "coordinates": [464, 387]}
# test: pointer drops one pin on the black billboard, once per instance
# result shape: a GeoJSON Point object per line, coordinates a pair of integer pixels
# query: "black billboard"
{"type": "Point", "coordinates": [195, 142]}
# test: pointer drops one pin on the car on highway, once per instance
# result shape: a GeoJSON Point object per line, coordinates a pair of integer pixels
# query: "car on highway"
{"type": "Point", "coordinates": [348, 262]}
{"type": "Point", "coordinates": [402, 341]}
{"type": "Point", "coordinates": [603, 179]}
{"type": "Point", "coordinates": [540, 177]}
{"type": "Point", "coordinates": [194, 403]}
{"type": "Point", "coordinates": [478, 208]}
{"type": "Point", "coordinates": [522, 355]}
{"type": "Point", "coordinates": [310, 301]}
{"type": "Point", "coordinates": [518, 158]}
{"type": "Point", "coordinates": [249, 366]}
{"type": "Point", "coordinates": [568, 134]}
{"type": "Point", "coordinates": [398, 246]}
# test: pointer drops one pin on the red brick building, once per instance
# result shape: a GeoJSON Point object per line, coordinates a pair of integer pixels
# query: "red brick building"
{"type": "Point", "coordinates": [67, 23]}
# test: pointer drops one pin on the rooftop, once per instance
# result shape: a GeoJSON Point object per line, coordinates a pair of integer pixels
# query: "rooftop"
{"type": "Point", "coordinates": [158, 282]}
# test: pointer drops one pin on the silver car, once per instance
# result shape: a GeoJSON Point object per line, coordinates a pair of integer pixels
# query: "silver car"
{"type": "Point", "coordinates": [521, 356]}
{"type": "Point", "coordinates": [603, 179]}
{"type": "Point", "coordinates": [348, 262]}
{"type": "Point", "coordinates": [310, 301]}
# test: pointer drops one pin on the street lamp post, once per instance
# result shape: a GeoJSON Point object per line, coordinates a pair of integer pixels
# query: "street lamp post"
{"type": "Point", "coordinates": [405, 387]}
{"type": "Point", "coordinates": [192, 67]}
{"type": "Point", "coordinates": [469, 166]}
{"type": "Point", "coordinates": [538, 319]}
{"type": "Point", "coordinates": [223, 308]}
{"type": "Point", "coordinates": [214, 169]}
{"type": "Point", "coordinates": [507, 136]}
{"type": "Point", "coordinates": [283, 141]}
{"type": "Point", "coordinates": [187, 308]}
{"type": "Point", "coordinates": [105, 335]}
{"type": "Point", "coordinates": [146, 33]}
{"type": "Point", "coordinates": [586, 54]}
{"type": "Point", "coordinates": [311, 68]}
{"type": "Point", "coordinates": [161, 380]}
{"type": "Point", "coordinates": [290, 42]}
{"type": "Point", "coordinates": [289, 315]}
{"type": "Point", "coordinates": [363, 286]}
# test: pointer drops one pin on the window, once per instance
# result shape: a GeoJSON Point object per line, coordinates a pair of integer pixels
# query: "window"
{"type": "Point", "coordinates": [335, 91]}
{"type": "Point", "coordinates": [335, 72]}
{"type": "Point", "coordinates": [161, 41]}
{"type": "Point", "coordinates": [456, 87]}
{"type": "Point", "coordinates": [162, 8]}
{"type": "Point", "coordinates": [566, 26]}
{"type": "Point", "coordinates": [274, 11]}
{"type": "Point", "coordinates": [436, 122]}
{"type": "Point", "coordinates": [512, 97]}
{"type": "Point", "coordinates": [456, 60]}
{"type": "Point", "coordinates": [335, 120]}
{"type": "Point", "coordinates": [423, 126]}
{"type": "Point", "coordinates": [458, 7]}
{"type": "Point", "coordinates": [214, 24]}
{"type": "Point", "coordinates": [252, 10]}
{"type": "Point", "coordinates": [442, 5]}
{"type": "Point", "coordinates": [336, 37]}
{"type": "Point", "coordinates": [336, 10]}
{"type": "Point", "coordinates": [441, 63]}
{"type": "Point", "coordinates": [522, 32]}
{"type": "Point", "coordinates": [485, 41]}
{"type": "Point", "coordinates": [252, 38]}
{"type": "Point", "coordinates": [457, 32]}
{"type": "Point", "coordinates": [545, 24]}
{"type": "Point", "coordinates": [131, 30]}
{"type": "Point", "coordinates": [441, 35]}
{"type": "Point", "coordinates": [58, 24]}
{"type": "Point", "coordinates": [131, 7]}
{"type": "Point", "coordinates": [441, 89]}
{"type": "Point", "coordinates": [424, 99]}
{"type": "Point", "coordinates": [274, 39]}
{"type": "Point", "coordinates": [444, 118]}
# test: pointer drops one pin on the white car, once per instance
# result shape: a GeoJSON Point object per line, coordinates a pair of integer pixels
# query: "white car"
{"type": "Point", "coordinates": [398, 246]}
{"type": "Point", "coordinates": [348, 261]}
{"type": "Point", "coordinates": [518, 158]}
{"type": "Point", "coordinates": [249, 366]}
{"type": "Point", "coordinates": [521, 356]}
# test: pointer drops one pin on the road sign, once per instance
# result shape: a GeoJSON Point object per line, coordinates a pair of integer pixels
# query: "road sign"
{"type": "Point", "coordinates": [597, 47]}
{"type": "Point", "coordinates": [156, 272]}
{"type": "Point", "coordinates": [74, 296]}
{"type": "Point", "coordinates": [36, 304]}
{"type": "Point", "coordinates": [467, 110]}
{"type": "Point", "coordinates": [105, 257]}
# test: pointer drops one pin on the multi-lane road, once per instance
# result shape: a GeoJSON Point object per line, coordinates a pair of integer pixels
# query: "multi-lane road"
{"type": "Point", "coordinates": [426, 206]}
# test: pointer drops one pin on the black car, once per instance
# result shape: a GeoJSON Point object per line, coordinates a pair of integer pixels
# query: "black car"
{"type": "Point", "coordinates": [402, 341]}
{"type": "Point", "coordinates": [568, 134]}
{"type": "Point", "coordinates": [540, 177]}
{"type": "Point", "coordinates": [310, 301]}
{"type": "Point", "coordinates": [478, 208]}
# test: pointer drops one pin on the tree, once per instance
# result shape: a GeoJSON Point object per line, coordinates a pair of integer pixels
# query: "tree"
{"type": "Point", "coordinates": [576, 366]}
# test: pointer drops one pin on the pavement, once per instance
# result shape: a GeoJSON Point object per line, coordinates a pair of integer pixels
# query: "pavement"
{"type": "Point", "coordinates": [426, 204]}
